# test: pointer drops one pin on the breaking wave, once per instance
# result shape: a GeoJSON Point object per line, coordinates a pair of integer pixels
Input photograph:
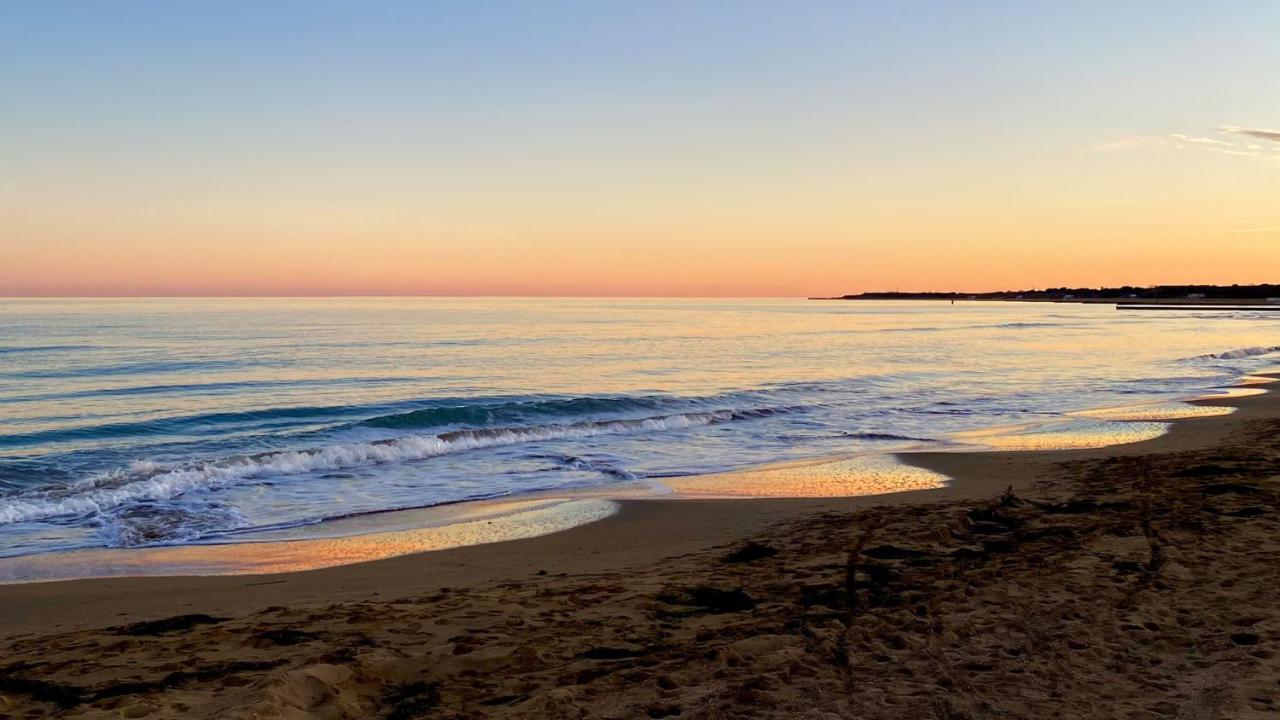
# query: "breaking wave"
{"type": "Point", "coordinates": [1240, 353]}
{"type": "Point", "coordinates": [494, 413]}
{"type": "Point", "coordinates": [145, 481]}
{"type": "Point", "coordinates": [152, 524]}
{"type": "Point", "coordinates": [573, 462]}
{"type": "Point", "coordinates": [1020, 325]}
{"type": "Point", "coordinates": [888, 437]}
{"type": "Point", "coordinates": [982, 326]}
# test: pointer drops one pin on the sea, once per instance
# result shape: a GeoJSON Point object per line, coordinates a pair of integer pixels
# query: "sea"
{"type": "Point", "coordinates": [132, 423]}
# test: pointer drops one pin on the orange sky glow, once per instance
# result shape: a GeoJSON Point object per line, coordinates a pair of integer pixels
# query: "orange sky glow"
{"type": "Point", "coordinates": [860, 148]}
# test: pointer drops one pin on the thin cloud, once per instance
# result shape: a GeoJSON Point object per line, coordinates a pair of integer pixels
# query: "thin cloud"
{"type": "Point", "coordinates": [1201, 140]}
{"type": "Point", "coordinates": [1259, 133]}
{"type": "Point", "coordinates": [1184, 141]}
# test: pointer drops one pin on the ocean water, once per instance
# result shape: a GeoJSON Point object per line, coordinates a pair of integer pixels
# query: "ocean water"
{"type": "Point", "coordinates": [129, 423]}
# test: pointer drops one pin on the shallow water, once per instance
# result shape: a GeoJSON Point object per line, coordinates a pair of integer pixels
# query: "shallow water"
{"type": "Point", "coordinates": [128, 423]}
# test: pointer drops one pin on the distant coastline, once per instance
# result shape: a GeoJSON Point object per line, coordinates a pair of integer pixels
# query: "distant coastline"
{"type": "Point", "coordinates": [1267, 295]}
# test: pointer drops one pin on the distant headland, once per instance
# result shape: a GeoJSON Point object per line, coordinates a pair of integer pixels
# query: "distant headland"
{"type": "Point", "coordinates": [1267, 294]}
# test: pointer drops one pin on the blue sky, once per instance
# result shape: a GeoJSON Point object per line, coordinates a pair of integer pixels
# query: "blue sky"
{"type": "Point", "coordinates": [558, 128]}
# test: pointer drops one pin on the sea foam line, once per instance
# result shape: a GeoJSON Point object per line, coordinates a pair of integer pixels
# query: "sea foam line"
{"type": "Point", "coordinates": [1240, 353]}
{"type": "Point", "coordinates": [146, 481]}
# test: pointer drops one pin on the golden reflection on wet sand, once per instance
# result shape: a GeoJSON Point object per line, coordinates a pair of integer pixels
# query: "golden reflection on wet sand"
{"type": "Point", "coordinates": [1068, 437]}
{"type": "Point", "coordinates": [1255, 380]}
{"type": "Point", "coordinates": [502, 521]}
{"type": "Point", "coordinates": [1155, 411]}
{"type": "Point", "coordinates": [1232, 393]}
{"type": "Point", "coordinates": [862, 475]}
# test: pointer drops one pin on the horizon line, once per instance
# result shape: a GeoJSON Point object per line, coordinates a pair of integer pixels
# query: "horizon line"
{"type": "Point", "coordinates": [389, 295]}
{"type": "Point", "coordinates": [299, 296]}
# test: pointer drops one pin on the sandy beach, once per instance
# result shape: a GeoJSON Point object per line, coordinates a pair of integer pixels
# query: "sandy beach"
{"type": "Point", "coordinates": [702, 361]}
{"type": "Point", "coordinates": [1133, 581]}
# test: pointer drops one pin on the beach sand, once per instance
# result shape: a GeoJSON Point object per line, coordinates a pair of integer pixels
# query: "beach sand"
{"type": "Point", "coordinates": [1136, 581]}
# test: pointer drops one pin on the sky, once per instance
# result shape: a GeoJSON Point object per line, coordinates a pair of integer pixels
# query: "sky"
{"type": "Point", "coordinates": [639, 148]}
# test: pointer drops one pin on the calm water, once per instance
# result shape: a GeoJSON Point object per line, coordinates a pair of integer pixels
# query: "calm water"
{"type": "Point", "coordinates": [137, 422]}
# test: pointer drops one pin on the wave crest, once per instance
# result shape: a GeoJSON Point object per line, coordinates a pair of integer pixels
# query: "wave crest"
{"type": "Point", "coordinates": [1240, 353]}
{"type": "Point", "coordinates": [152, 482]}
{"type": "Point", "coordinates": [520, 410]}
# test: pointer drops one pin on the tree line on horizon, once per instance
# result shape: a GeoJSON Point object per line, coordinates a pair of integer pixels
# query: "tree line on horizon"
{"type": "Point", "coordinates": [1155, 292]}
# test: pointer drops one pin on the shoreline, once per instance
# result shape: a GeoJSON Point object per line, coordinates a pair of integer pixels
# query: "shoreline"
{"type": "Point", "coordinates": [1128, 581]}
{"type": "Point", "coordinates": [641, 530]}
{"type": "Point", "coordinates": [387, 534]}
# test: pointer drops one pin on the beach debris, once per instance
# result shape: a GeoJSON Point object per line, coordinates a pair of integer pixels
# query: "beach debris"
{"type": "Point", "coordinates": [751, 552]}
{"type": "Point", "coordinates": [177, 623]}
{"type": "Point", "coordinates": [894, 552]}
{"type": "Point", "coordinates": [992, 520]}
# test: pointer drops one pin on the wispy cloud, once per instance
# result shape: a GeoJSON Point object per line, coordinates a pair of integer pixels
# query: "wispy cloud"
{"type": "Point", "coordinates": [1201, 140]}
{"type": "Point", "coordinates": [1223, 142]}
{"type": "Point", "coordinates": [1272, 135]}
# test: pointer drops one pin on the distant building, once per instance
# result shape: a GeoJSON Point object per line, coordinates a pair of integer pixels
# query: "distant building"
{"type": "Point", "coordinates": [1196, 296]}
{"type": "Point", "coordinates": [1273, 301]}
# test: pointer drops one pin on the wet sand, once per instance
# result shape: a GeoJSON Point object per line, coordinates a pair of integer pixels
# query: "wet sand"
{"type": "Point", "coordinates": [1131, 581]}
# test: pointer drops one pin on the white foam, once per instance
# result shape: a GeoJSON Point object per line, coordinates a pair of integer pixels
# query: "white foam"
{"type": "Point", "coordinates": [148, 481]}
{"type": "Point", "coordinates": [1240, 353]}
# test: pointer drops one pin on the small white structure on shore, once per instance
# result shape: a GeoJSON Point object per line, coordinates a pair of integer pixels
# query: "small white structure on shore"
{"type": "Point", "coordinates": [1273, 301]}
{"type": "Point", "coordinates": [1196, 296]}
